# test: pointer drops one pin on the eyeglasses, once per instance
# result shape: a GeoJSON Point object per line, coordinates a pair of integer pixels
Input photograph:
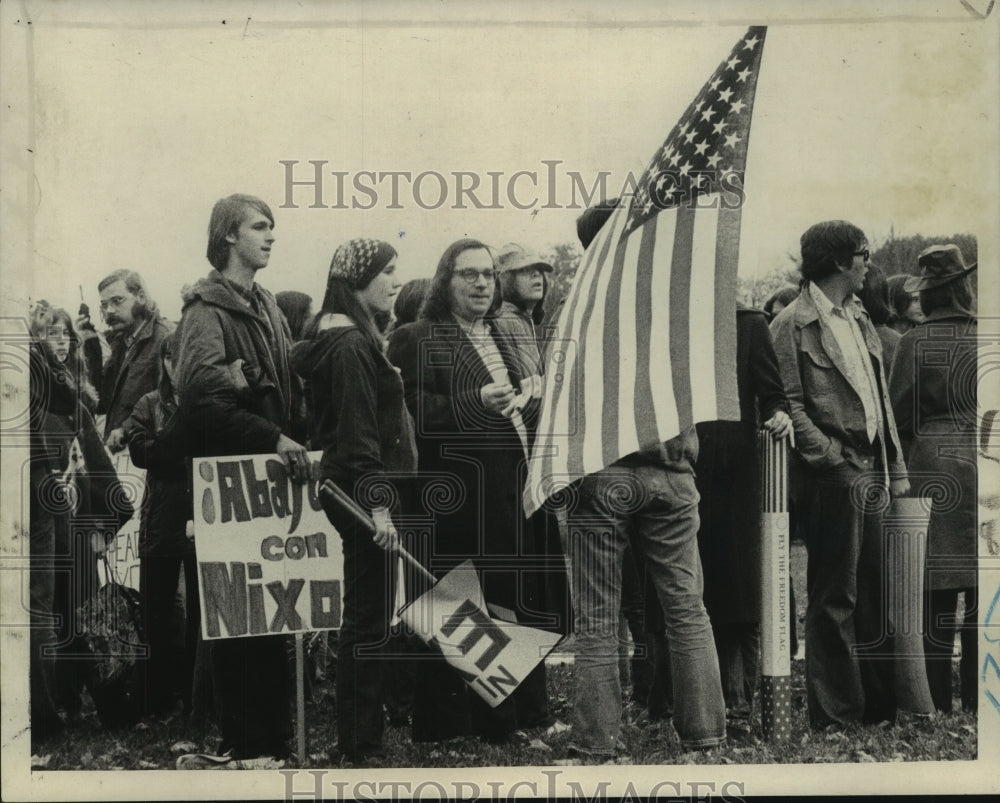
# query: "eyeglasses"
{"type": "Point", "coordinates": [470, 275]}
{"type": "Point", "coordinates": [114, 301]}
{"type": "Point", "coordinates": [866, 254]}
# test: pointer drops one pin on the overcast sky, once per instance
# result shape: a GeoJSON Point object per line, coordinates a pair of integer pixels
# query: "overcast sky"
{"type": "Point", "coordinates": [139, 128]}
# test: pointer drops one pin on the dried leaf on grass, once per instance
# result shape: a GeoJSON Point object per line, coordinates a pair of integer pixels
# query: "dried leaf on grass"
{"type": "Point", "coordinates": [183, 747]}
{"type": "Point", "coordinates": [40, 762]}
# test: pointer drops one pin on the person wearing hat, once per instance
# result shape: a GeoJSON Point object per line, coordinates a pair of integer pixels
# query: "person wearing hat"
{"type": "Point", "coordinates": [361, 423]}
{"type": "Point", "coordinates": [935, 404]}
{"type": "Point", "coordinates": [523, 285]}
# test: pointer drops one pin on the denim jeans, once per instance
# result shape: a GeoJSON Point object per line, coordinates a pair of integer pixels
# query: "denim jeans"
{"type": "Point", "coordinates": [658, 509]}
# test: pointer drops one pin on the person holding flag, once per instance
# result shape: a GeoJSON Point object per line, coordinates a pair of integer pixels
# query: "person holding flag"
{"type": "Point", "coordinates": [624, 386]}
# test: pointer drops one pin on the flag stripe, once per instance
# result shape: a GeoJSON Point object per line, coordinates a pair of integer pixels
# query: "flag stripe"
{"type": "Point", "coordinates": [557, 423]}
{"type": "Point", "coordinates": [727, 254]}
{"type": "Point", "coordinates": [703, 328]}
{"type": "Point", "coordinates": [661, 379]}
{"type": "Point", "coordinates": [589, 451]}
{"type": "Point", "coordinates": [643, 407]}
{"type": "Point", "coordinates": [585, 321]}
{"type": "Point", "coordinates": [617, 340]}
{"type": "Point", "coordinates": [680, 327]}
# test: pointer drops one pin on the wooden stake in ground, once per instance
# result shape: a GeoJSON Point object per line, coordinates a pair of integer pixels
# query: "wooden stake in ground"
{"type": "Point", "coordinates": [300, 696]}
{"type": "Point", "coordinates": [776, 619]}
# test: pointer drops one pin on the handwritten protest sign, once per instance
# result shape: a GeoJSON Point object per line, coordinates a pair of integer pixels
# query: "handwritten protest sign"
{"type": "Point", "coordinates": [123, 552]}
{"type": "Point", "coordinates": [269, 561]}
{"type": "Point", "coordinates": [493, 656]}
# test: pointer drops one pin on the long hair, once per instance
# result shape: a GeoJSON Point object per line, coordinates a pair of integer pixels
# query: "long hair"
{"type": "Point", "coordinates": [875, 296]}
{"type": "Point", "coordinates": [168, 352]}
{"type": "Point", "coordinates": [74, 370]}
{"type": "Point", "coordinates": [899, 296]}
{"type": "Point", "coordinates": [437, 305]}
{"type": "Point", "coordinates": [340, 298]}
{"type": "Point", "coordinates": [295, 306]}
{"type": "Point", "coordinates": [227, 215]}
{"type": "Point", "coordinates": [508, 292]}
{"type": "Point", "coordinates": [409, 300]}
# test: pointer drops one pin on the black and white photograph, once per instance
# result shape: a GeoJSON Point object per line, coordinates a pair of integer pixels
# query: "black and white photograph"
{"type": "Point", "coordinates": [463, 400]}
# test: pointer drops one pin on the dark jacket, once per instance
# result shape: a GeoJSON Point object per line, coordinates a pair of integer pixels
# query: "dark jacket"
{"type": "Point", "coordinates": [157, 445]}
{"type": "Point", "coordinates": [934, 391]}
{"type": "Point", "coordinates": [131, 371]}
{"type": "Point", "coordinates": [826, 410]}
{"type": "Point", "coordinates": [728, 478]}
{"type": "Point", "coordinates": [360, 420]}
{"type": "Point", "coordinates": [469, 456]}
{"type": "Point", "coordinates": [233, 375]}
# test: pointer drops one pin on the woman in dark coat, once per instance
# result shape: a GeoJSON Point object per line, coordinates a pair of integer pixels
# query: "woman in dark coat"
{"type": "Point", "coordinates": [460, 377]}
{"type": "Point", "coordinates": [361, 423]}
{"type": "Point", "coordinates": [729, 538]}
{"type": "Point", "coordinates": [933, 388]}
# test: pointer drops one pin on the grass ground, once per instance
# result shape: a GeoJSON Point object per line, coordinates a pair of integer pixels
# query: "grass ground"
{"type": "Point", "coordinates": [156, 743]}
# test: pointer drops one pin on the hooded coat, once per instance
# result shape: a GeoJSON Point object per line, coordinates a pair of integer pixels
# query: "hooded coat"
{"type": "Point", "coordinates": [362, 426]}
{"type": "Point", "coordinates": [233, 375]}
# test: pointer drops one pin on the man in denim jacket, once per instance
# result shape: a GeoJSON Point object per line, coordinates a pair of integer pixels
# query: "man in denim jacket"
{"type": "Point", "coordinates": [848, 464]}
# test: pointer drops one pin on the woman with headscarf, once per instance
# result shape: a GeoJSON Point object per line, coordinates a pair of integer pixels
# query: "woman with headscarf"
{"type": "Point", "coordinates": [933, 388]}
{"type": "Point", "coordinates": [361, 423]}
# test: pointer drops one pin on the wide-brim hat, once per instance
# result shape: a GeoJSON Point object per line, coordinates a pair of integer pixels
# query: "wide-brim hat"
{"type": "Point", "coordinates": [939, 264]}
{"type": "Point", "coordinates": [516, 257]}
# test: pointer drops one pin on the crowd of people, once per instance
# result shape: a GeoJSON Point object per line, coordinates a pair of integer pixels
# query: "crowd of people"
{"type": "Point", "coordinates": [426, 397]}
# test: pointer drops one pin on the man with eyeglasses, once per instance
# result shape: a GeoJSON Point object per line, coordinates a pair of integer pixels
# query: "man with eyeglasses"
{"type": "Point", "coordinates": [847, 464]}
{"type": "Point", "coordinates": [473, 421]}
{"type": "Point", "coordinates": [136, 330]}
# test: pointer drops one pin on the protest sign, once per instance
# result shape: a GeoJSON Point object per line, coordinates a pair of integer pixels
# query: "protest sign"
{"type": "Point", "coordinates": [493, 656]}
{"type": "Point", "coordinates": [269, 561]}
{"type": "Point", "coordinates": [123, 552]}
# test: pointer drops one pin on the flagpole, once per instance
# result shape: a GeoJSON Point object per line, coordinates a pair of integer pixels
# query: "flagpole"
{"type": "Point", "coordinates": [776, 619]}
{"type": "Point", "coordinates": [334, 494]}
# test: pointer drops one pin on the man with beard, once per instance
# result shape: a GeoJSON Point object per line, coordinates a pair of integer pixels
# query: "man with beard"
{"type": "Point", "coordinates": [133, 368]}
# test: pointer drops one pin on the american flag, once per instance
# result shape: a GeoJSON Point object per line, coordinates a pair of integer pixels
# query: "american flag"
{"type": "Point", "coordinates": [646, 341]}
